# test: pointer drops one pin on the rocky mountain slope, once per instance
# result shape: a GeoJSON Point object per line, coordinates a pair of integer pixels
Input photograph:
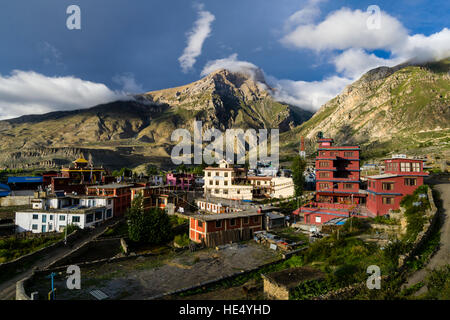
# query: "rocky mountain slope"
{"type": "Point", "coordinates": [400, 109]}
{"type": "Point", "coordinates": [129, 133]}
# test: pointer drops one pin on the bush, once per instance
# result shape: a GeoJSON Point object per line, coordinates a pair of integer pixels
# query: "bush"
{"type": "Point", "coordinates": [438, 283]}
{"type": "Point", "coordinates": [182, 240]}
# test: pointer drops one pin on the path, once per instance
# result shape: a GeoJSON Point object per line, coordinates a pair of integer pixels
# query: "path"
{"type": "Point", "coordinates": [442, 256]}
{"type": "Point", "coordinates": [8, 287]}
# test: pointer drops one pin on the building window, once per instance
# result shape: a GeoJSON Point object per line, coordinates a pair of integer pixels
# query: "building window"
{"type": "Point", "coordinates": [89, 218]}
{"type": "Point", "coordinates": [232, 222]}
{"type": "Point", "coordinates": [218, 223]}
{"type": "Point", "coordinates": [109, 213]}
{"type": "Point", "coordinates": [210, 182]}
{"type": "Point", "coordinates": [76, 219]}
{"type": "Point", "coordinates": [388, 186]}
{"type": "Point", "coordinates": [225, 183]}
{"type": "Point", "coordinates": [410, 182]}
{"type": "Point", "coordinates": [324, 174]}
{"type": "Point", "coordinates": [246, 220]}
{"type": "Point", "coordinates": [348, 186]}
{"type": "Point", "coordinates": [239, 192]}
{"type": "Point", "coordinates": [323, 164]}
{"type": "Point", "coordinates": [44, 218]}
{"type": "Point", "coordinates": [225, 174]}
{"type": "Point", "coordinates": [62, 218]}
{"type": "Point", "coordinates": [225, 191]}
{"type": "Point", "coordinates": [199, 224]}
{"type": "Point", "coordinates": [256, 219]}
{"type": "Point", "coordinates": [348, 154]}
{"type": "Point", "coordinates": [318, 219]}
{"type": "Point", "coordinates": [44, 228]}
{"type": "Point", "coordinates": [109, 201]}
{"type": "Point", "coordinates": [217, 182]}
{"type": "Point", "coordinates": [216, 191]}
{"type": "Point", "coordinates": [388, 200]}
{"type": "Point", "coordinates": [98, 215]}
{"type": "Point", "coordinates": [50, 227]}
{"type": "Point", "coordinates": [35, 217]}
{"type": "Point", "coordinates": [209, 174]}
{"type": "Point", "coordinates": [51, 217]}
{"type": "Point", "coordinates": [323, 186]}
{"type": "Point", "coordinates": [416, 167]}
{"type": "Point", "coordinates": [34, 227]}
{"type": "Point", "coordinates": [405, 167]}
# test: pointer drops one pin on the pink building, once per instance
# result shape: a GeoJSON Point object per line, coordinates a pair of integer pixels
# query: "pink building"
{"type": "Point", "coordinates": [181, 181]}
{"type": "Point", "coordinates": [401, 177]}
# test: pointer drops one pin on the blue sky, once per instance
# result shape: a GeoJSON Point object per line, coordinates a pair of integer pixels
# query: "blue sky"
{"type": "Point", "coordinates": [135, 46]}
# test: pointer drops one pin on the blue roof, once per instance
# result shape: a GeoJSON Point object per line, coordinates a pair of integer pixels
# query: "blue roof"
{"type": "Point", "coordinates": [25, 180]}
{"type": "Point", "coordinates": [5, 190]}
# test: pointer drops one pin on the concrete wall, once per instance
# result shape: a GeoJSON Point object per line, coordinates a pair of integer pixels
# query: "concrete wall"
{"type": "Point", "coordinates": [15, 201]}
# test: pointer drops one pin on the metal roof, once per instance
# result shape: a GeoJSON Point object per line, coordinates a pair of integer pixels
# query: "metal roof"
{"type": "Point", "coordinates": [25, 179]}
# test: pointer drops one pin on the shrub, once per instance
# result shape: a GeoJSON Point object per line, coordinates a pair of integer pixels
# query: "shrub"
{"type": "Point", "coordinates": [182, 240]}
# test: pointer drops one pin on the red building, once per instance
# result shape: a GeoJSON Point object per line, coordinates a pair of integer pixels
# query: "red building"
{"type": "Point", "coordinates": [337, 184]}
{"type": "Point", "coordinates": [401, 177]}
{"type": "Point", "coordinates": [120, 192]}
{"type": "Point", "coordinates": [217, 229]}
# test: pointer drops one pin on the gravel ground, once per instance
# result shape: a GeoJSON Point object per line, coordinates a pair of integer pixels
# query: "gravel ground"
{"type": "Point", "coordinates": [146, 277]}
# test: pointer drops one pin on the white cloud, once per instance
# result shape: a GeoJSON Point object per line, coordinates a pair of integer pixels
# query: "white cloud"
{"type": "Point", "coordinates": [306, 15]}
{"type": "Point", "coordinates": [308, 95]}
{"type": "Point", "coordinates": [354, 62]}
{"type": "Point", "coordinates": [421, 48]}
{"type": "Point", "coordinates": [230, 63]}
{"type": "Point", "coordinates": [28, 92]}
{"type": "Point", "coordinates": [128, 83]}
{"type": "Point", "coordinates": [345, 29]}
{"type": "Point", "coordinates": [196, 38]}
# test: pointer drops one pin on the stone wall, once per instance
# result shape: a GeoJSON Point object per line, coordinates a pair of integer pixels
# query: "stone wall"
{"type": "Point", "coordinates": [273, 291]}
{"type": "Point", "coordinates": [424, 235]}
{"type": "Point", "coordinates": [15, 201]}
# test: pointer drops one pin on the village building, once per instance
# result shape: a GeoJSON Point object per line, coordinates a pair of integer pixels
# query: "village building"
{"type": "Point", "coordinates": [224, 228]}
{"type": "Point", "coordinates": [401, 177]}
{"type": "Point", "coordinates": [181, 181]}
{"type": "Point", "coordinates": [50, 213]}
{"type": "Point", "coordinates": [229, 182]}
{"type": "Point", "coordinates": [120, 192]}
{"type": "Point", "coordinates": [338, 191]}
{"type": "Point", "coordinates": [83, 171]}
{"type": "Point", "coordinates": [280, 285]}
{"type": "Point", "coordinates": [159, 197]}
{"type": "Point", "coordinates": [216, 205]}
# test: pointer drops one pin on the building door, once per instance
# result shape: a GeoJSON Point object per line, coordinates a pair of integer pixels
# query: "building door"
{"type": "Point", "coordinates": [44, 228]}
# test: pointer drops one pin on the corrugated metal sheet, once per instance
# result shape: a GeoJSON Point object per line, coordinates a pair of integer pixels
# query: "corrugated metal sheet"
{"type": "Point", "coordinates": [25, 180]}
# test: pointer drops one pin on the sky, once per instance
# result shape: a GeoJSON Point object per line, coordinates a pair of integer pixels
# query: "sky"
{"type": "Point", "coordinates": [308, 50]}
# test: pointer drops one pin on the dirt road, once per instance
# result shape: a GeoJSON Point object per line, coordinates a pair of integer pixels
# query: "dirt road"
{"type": "Point", "coordinates": [442, 256]}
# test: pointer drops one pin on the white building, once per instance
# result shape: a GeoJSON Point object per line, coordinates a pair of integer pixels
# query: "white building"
{"type": "Point", "coordinates": [228, 182]}
{"type": "Point", "coordinates": [55, 213]}
{"type": "Point", "coordinates": [157, 180]}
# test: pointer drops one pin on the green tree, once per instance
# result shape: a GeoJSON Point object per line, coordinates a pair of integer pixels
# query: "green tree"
{"type": "Point", "coordinates": [151, 170]}
{"type": "Point", "coordinates": [148, 226]}
{"type": "Point", "coordinates": [298, 166]}
{"type": "Point", "coordinates": [181, 168]}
